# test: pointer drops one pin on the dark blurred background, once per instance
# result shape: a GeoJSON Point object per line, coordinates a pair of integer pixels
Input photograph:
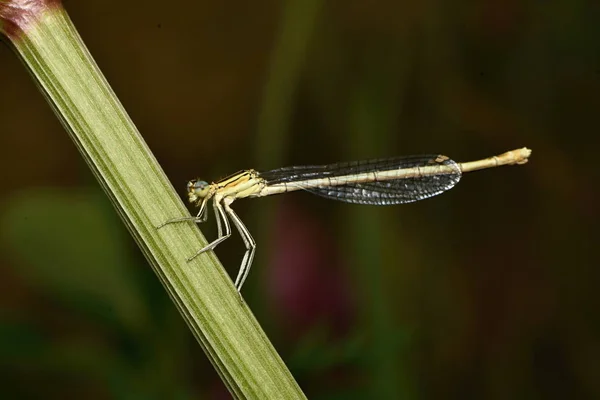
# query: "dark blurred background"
{"type": "Point", "coordinates": [486, 292]}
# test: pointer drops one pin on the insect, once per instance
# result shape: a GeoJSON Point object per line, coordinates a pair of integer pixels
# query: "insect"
{"type": "Point", "coordinates": [389, 181]}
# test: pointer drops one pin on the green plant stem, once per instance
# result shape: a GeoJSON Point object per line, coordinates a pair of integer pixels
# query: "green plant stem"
{"type": "Point", "coordinates": [44, 37]}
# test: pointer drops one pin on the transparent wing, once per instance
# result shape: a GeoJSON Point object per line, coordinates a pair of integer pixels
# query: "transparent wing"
{"type": "Point", "coordinates": [396, 191]}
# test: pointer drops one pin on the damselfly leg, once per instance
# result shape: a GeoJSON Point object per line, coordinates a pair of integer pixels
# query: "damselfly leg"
{"type": "Point", "coordinates": [220, 216]}
{"type": "Point", "coordinates": [248, 242]}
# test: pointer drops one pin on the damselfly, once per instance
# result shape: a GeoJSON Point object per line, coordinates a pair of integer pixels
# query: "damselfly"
{"type": "Point", "coordinates": [377, 182]}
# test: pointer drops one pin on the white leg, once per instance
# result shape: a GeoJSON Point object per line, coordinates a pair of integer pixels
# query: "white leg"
{"type": "Point", "coordinates": [250, 248]}
{"type": "Point", "coordinates": [200, 217]}
{"type": "Point", "coordinates": [202, 213]}
{"type": "Point", "coordinates": [219, 226]}
{"type": "Point", "coordinates": [220, 215]}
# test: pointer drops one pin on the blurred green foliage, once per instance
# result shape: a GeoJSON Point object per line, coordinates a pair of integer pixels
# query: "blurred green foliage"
{"type": "Point", "coordinates": [488, 291]}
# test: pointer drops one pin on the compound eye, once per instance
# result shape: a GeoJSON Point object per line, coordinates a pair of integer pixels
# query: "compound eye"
{"type": "Point", "coordinates": [197, 189]}
{"type": "Point", "coordinates": [197, 185]}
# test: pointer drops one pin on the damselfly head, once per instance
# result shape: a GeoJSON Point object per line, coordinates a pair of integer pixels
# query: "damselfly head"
{"type": "Point", "coordinates": [197, 190]}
